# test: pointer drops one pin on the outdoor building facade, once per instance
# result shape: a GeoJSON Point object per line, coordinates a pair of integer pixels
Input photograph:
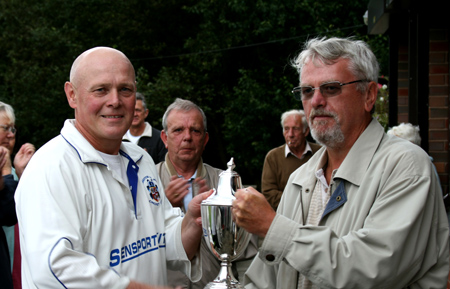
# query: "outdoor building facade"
{"type": "Point", "coordinates": [418, 34]}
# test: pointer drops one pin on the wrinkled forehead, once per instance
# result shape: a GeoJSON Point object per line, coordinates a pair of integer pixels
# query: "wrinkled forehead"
{"type": "Point", "coordinates": [293, 120]}
{"type": "Point", "coordinates": [185, 118]}
{"type": "Point", "coordinates": [323, 72]}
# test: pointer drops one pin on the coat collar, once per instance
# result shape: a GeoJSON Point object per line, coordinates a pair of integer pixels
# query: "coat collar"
{"type": "Point", "coordinates": [361, 153]}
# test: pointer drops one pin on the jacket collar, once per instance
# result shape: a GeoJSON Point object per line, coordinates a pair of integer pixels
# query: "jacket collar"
{"type": "Point", "coordinates": [361, 153]}
{"type": "Point", "coordinates": [86, 152]}
{"type": "Point", "coordinates": [147, 130]}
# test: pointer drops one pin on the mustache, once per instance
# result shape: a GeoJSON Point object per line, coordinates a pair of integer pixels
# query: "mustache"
{"type": "Point", "coordinates": [321, 112]}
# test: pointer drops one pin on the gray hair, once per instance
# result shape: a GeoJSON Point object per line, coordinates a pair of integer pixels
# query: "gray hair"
{"type": "Point", "coordinates": [185, 105]}
{"type": "Point", "coordinates": [363, 63]}
{"type": "Point", "coordinates": [8, 111]}
{"type": "Point", "coordinates": [141, 97]}
{"type": "Point", "coordinates": [406, 131]}
{"type": "Point", "coordinates": [295, 112]}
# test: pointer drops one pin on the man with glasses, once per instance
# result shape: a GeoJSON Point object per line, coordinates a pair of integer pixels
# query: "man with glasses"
{"type": "Point", "coordinates": [143, 134]}
{"type": "Point", "coordinates": [8, 128]}
{"type": "Point", "coordinates": [7, 218]}
{"type": "Point", "coordinates": [9, 235]}
{"type": "Point", "coordinates": [366, 211]}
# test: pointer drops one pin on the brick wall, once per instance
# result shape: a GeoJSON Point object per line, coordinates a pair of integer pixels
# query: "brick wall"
{"type": "Point", "coordinates": [439, 113]}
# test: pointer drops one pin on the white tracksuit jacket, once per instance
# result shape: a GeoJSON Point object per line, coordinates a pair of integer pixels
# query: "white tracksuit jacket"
{"type": "Point", "coordinates": [79, 227]}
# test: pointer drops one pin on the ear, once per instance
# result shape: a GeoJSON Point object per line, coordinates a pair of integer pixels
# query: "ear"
{"type": "Point", "coordinates": [371, 96]}
{"type": "Point", "coordinates": [206, 139]}
{"type": "Point", "coordinates": [164, 138]}
{"type": "Point", "coordinates": [70, 94]}
{"type": "Point", "coordinates": [306, 131]}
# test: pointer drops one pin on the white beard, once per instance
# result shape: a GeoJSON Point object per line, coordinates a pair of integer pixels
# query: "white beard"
{"type": "Point", "coordinates": [332, 137]}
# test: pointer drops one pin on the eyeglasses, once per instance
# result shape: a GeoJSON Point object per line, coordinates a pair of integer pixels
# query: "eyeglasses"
{"type": "Point", "coordinates": [328, 89]}
{"type": "Point", "coordinates": [8, 128]}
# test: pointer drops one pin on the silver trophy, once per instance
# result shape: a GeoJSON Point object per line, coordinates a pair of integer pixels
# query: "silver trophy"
{"type": "Point", "coordinates": [224, 238]}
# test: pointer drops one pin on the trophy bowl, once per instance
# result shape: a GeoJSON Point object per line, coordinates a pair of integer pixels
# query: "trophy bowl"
{"type": "Point", "coordinates": [224, 238]}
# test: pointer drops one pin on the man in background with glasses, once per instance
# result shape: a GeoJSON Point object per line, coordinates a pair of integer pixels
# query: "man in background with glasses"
{"type": "Point", "coordinates": [366, 210]}
{"type": "Point", "coordinates": [9, 235]}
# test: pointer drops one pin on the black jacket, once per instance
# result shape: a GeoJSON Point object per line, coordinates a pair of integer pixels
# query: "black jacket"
{"type": "Point", "coordinates": [7, 218]}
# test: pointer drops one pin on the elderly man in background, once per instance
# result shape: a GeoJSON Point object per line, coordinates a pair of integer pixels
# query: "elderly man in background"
{"type": "Point", "coordinates": [184, 175]}
{"type": "Point", "coordinates": [366, 210]}
{"type": "Point", "coordinates": [8, 213]}
{"type": "Point", "coordinates": [8, 140]}
{"type": "Point", "coordinates": [143, 134]}
{"type": "Point", "coordinates": [7, 218]}
{"type": "Point", "coordinates": [282, 161]}
{"type": "Point", "coordinates": [91, 208]}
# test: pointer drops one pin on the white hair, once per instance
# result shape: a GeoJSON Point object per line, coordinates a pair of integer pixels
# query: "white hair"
{"type": "Point", "coordinates": [295, 112]}
{"type": "Point", "coordinates": [362, 61]}
{"type": "Point", "coordinates": [406, 131]}
{"type": "Point", "coordinates": [8, 111]}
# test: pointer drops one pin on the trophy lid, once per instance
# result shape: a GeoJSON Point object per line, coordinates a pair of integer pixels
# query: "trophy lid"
{"type": "Point", "coordinates": [229, 183]}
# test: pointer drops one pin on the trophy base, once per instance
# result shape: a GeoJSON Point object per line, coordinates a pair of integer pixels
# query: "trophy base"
{"type": "Point", "coordinates": [225, 279]}
{"type": "Point", "coordinates": [223, 285]}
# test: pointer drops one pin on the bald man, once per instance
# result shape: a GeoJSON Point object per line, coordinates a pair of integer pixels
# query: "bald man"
{"type": "Point", "coordinates": [92, 210]}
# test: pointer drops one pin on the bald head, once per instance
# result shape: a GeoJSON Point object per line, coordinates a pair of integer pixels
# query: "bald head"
{"type": "Point", "coordinates": [89, 57]}
{"type": "Point", "coordinates": [102, 91]}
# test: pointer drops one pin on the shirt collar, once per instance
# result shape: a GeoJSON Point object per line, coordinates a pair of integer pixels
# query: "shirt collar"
{"type": "Point", "coordinates": [86, 152]}
{"type": "Point", "coordinates": [191, 178]}
{"type": "Point", "coordinates": [288, 151]}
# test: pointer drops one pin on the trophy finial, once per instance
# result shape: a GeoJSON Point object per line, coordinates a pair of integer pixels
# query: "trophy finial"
{"type": "Point", "coordinates": [231, 164]}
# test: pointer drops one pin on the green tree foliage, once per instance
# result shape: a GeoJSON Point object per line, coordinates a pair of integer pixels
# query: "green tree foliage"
{"type": "Point", "coordinates": [231, 57]}
{"type": "Point", "coordinates": [40, 39]}
{"type": "Point", "coordinates": [237, 69]}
